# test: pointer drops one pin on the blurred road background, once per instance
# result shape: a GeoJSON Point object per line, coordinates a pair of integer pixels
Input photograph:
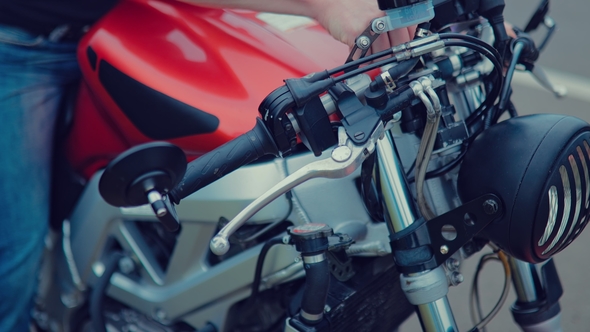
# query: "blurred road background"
{"type": "Point", "coordinates": [566, 60]}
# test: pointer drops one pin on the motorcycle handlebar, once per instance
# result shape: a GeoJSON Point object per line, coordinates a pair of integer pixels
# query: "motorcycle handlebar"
{"type": "Point", "coordinates": [225, 159]}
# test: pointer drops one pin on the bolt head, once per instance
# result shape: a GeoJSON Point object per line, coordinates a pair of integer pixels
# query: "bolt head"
{"type": "Point", "coordinates": [363, 42]}
{"type": "Point", "coordinates": [359, 135]}
{"type": "Point", "coordinates": [457, 278]}
{"type": "Point", "coordinates": [380, 25]}
{"type": "Point", "coordinates": [444, 249]}
{"type": "Point", "coordinates": [126, 265]}
{"type": "Point", "coordinates": [490, 207]}
{"type": "Point", "coordinates": [341, 153]}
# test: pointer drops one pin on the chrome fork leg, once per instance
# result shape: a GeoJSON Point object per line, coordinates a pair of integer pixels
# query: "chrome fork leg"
{"type": "Point", "coordinates": [537, 305]}
{"type": "Point", "coordinates": [427, 290]}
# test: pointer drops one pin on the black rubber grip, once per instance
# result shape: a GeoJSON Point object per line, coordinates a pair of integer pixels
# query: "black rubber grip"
{"type": "Point", "coordinates": [317, 283]}
{"type": "Point", "coordinates": [225, 159]}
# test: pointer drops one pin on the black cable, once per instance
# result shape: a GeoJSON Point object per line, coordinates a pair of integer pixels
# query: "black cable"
{"type": "Point", "coordinates": [409, 175]}
{"type": "Point", "coordinates": [272, 225]}
{"type": "Point", "coordinates": [99, 290]}
{"type": "Point", "coordinates": [516, 51]}
{"type": "Point", "coordinates": [482, 50]}
{"type": "Point", "coordinates": [450, 35]}
{"type": "Point", "coordinates": [356, 63]}
{"type": "Point", "coordinates": [261, 232]}
{"type": "Point", "coordinates": [475, 287]}
{"type": "Point", "coordinates": [365, 69]}
{"type": "Point", "coordinates": [259, 263]}
{"type": "Point", "coordinates": [485, 106]}
{"type": "Point", "coordinates": [369, 192]}
{"type": "Point", "coordinates": [493, 95]}
{"type": "Point", "coordinates": [441, 170]}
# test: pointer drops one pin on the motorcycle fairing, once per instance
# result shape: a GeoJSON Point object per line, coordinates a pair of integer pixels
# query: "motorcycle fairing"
{"type": "Point", "coordinates": [217, 63]}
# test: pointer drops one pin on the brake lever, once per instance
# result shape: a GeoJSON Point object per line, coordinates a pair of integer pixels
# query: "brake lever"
{"type": "Point", "coordinates": [345, 158]}
{"type": "Point", "coordinates": [539, 74]}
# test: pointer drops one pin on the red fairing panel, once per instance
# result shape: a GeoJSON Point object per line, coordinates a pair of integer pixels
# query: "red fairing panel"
{"type": "Point", "coordinates": [218, 63]}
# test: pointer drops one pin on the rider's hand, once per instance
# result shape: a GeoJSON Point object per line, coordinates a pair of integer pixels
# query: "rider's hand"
{"type": "Point", "coordinates": [344, 19]}
{"type": "Point", "coordinates": [347, 19]}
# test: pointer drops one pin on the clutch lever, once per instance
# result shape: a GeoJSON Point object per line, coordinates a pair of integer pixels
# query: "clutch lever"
{"type": "Point", "coordinates": [539, 74]}
{"type": "Point", "coordinates": [345, 158]}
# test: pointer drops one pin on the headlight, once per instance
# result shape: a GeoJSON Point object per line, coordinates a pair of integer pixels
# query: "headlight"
{"type": "Point", "coordinates": [538, 166]}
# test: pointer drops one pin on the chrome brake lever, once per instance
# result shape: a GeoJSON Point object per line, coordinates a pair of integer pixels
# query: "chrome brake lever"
{"type": "Point", "coordinates": [346, 157]}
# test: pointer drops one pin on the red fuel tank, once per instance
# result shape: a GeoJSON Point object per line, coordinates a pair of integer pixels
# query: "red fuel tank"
{"type": "Point", "coordinates": [167, 70]}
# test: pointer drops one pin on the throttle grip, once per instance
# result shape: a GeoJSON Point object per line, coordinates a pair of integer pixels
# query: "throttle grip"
{"type": "Point", "coordinates": [225, 159]}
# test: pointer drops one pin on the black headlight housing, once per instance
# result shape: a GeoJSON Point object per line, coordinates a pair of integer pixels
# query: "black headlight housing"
{"type": "Point", "coordinates": [539, 167]}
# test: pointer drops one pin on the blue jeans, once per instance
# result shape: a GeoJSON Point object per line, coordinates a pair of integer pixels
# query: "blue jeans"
{"type": "Point", "coordinates": [33, 75]}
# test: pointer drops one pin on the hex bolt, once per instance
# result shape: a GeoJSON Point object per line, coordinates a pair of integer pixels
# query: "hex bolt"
{"type": "Point", "coordinates": [456, 278]}
{"type": "Point", "coordinates": [490, 207]}
{"type": "Point", "coordinates": [453, 264]}
{"type": "Point", "coordinates": [444, 249]}
{"type": "Point", "coordinates": [363, 42]}
{"type": "Point", "coordinates": [380, 25]}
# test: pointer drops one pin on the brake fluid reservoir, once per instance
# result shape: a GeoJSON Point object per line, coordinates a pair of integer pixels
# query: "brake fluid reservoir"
{"type": "Point", "coordinates": [401, 14]}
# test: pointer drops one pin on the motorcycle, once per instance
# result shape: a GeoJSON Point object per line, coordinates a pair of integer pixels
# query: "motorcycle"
{"type": "Point", "coordinates": [350, 205]}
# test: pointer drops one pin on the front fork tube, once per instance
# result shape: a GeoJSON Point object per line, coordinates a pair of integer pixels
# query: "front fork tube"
{"type": "Point", "coordinates": [428, 289]}
{"type": "Point", "coordinates": [537, 305]}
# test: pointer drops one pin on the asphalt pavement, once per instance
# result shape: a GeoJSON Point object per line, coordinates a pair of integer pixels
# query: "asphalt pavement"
{"type": "Point", "coordinates": [566, 62]}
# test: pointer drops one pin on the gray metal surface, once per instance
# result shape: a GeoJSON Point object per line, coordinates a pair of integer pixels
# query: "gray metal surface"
{"type": "Point", "coordinates": [190, 288]}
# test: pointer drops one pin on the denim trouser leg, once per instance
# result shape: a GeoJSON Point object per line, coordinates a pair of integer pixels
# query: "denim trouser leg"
{"type": "Point", "coordinates": [33, 74]}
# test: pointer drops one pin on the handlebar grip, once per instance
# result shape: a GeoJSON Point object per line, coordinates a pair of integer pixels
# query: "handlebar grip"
{"type": "Point", "coordinates": [225, 159]}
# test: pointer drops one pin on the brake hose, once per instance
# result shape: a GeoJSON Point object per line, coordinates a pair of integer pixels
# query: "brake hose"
{"type": "Point", "coordinates": [259, 264]}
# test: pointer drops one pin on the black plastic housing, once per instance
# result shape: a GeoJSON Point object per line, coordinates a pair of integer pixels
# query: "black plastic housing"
{"type": "Point", "coordinates": [538, 166]}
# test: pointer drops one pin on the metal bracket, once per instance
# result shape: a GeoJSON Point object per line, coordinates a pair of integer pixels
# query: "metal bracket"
{"type": "Point", "coordinates": [364, 42]}
{"type": "Point", "coordinates": [426, 245]}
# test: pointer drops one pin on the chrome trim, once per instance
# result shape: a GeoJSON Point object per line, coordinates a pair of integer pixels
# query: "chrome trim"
{"type": "Point", "coordinates": [578, 184]}
{"type": "Point", "coordinates": [586, 177]}
{"type": "Point", "coordinates": [456, 63]}
{"type": "Point", "coordinates": [312, 317]}
{"type": "Point", "coordinates": [522, 279]}
{"type": "Point", "coordinates": [567, 207]}
{"type": "Point", "coordinates": [553, 207]}
{"type": "Point", "coordinates": [437, 316]}
{"type": "Point", "coordinates": [395, 191]}
{"type": "Point", "coordinates": [389, 82]}
{"type": "Point", "coordinates": [587, 147]}
{"type": "Point", "coordinates": [314, 259]}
